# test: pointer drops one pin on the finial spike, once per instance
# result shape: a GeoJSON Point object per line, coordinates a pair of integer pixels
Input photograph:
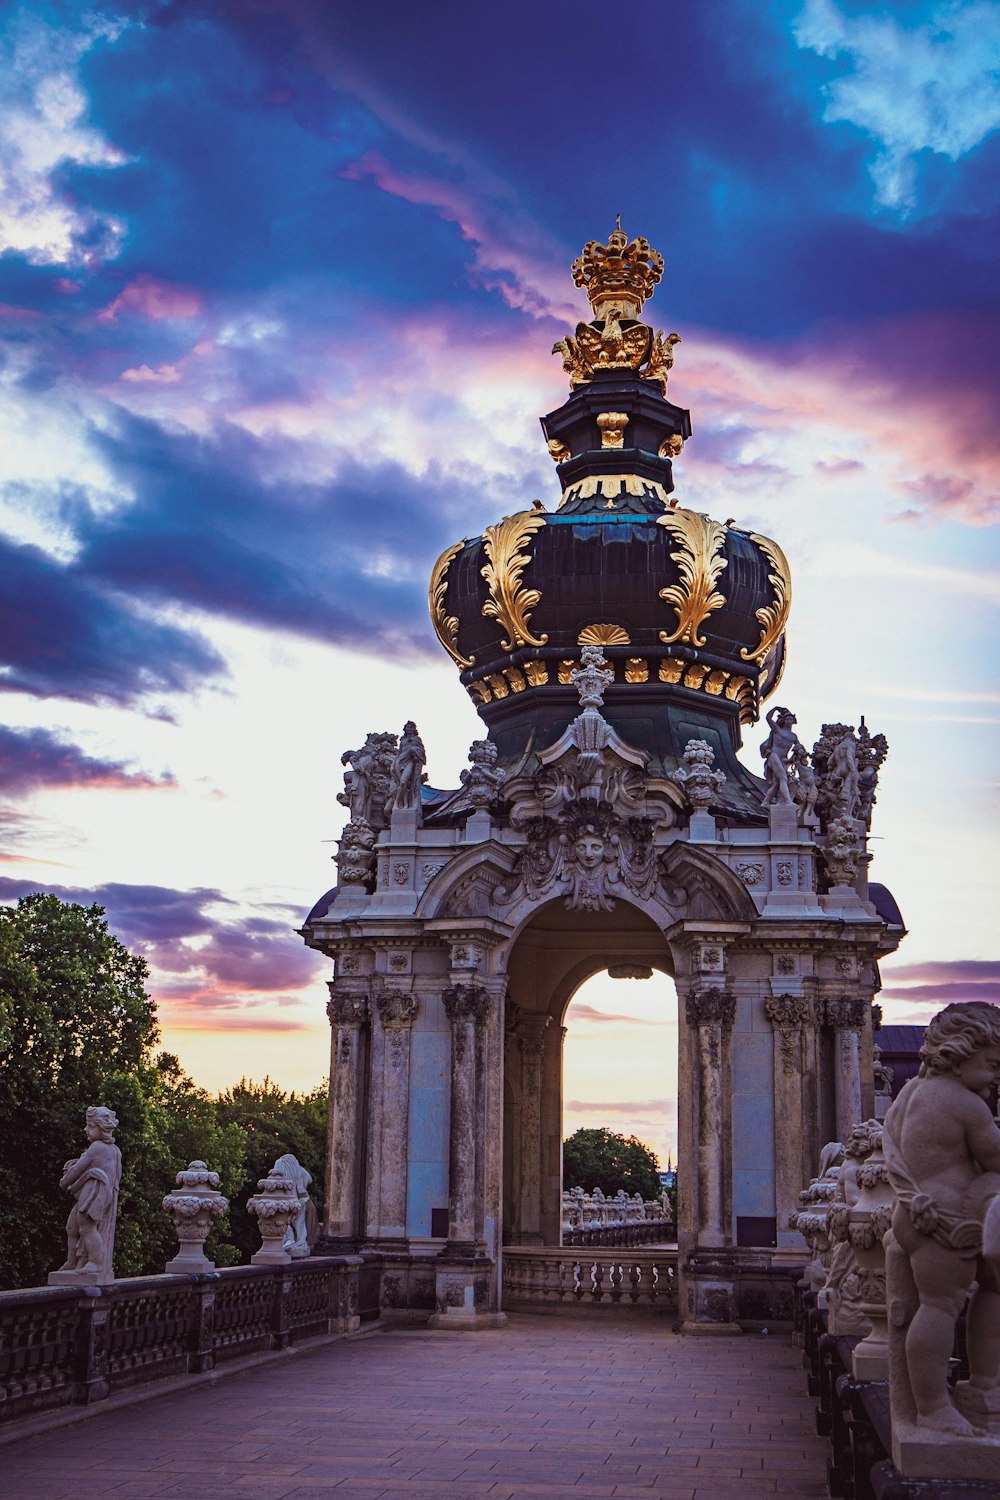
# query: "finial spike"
{"type": "Point", "coordinates": [618, 221]}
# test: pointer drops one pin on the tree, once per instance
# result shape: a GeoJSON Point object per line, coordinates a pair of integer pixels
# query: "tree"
{"type": "Point", "coordinates": [272, 1123]}
{"type": "Point", "coordinates": [79, 1029]}
{"type": "Point", "coordinates": [600, 1158]}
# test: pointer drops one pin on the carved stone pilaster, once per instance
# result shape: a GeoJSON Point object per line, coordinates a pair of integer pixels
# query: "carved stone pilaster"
{"type": "Point", "coordinates": [787, 1014]}
{"type": "Point", "coordinates": [465, 1002]}
{"type": "Point", "coordinates": [346, 1007]}
{"type": "Point", "coordinates": [710, 1006]}
{"type": "Point", "coordinates": [531, 1042]}
{"type": "Point", "coordinates": [846, 1015]}
{"type": "Point", "coordinates": [465, 1006]}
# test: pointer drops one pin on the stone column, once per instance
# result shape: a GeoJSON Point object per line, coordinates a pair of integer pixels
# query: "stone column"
{"type": "Point", "coordinates": [712, 1011]}
{"type": "Point", "coordinates": [348, 1012]}
{"type": "Point", "coordinates": [846, 1014]}
{"type": "Point", "coordinates": [788, 1015]}
{"type": "Point", "coordinates": [391, 1062]}
{"type": "Point", "coordinates": [531, 1041]}
{"type": "Point", "coordinates": [464, 1005]}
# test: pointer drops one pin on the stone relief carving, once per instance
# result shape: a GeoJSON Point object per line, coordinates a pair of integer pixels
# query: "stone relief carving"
{"type": "Point", "coordinates": [93, 1179]}
{"type": "Point", "coordinates": [844, 1293]}
{"type": "Point", "coordinates": [787, 1014]}
{"type": "Point", "coordinates": [750, 871]}
{"type": "Point", "coordinates": [942, 1153]}
{"type": "Point", "coordinates": [355, 856]}
{"type": "Point", "coordinates": [845, 1010]}
{"type": "Point", "coordinates": [407, 774]}
{"type": "Point", "coordinates": [466, 1002]}
{"type": "Point", "coordinates": [811, 1219]}
{"type": "Point", "coordinates": [844, 854]}
{"type": "Point", "coordinates": [484, 778]}
{"type": "Point", "coordinates": [710, 1006]}
{"type": "Point", "coordinates": [701, 785]}
{"type": "Point", "coordinates": [397, 1008]}
{"type": "Point", "coordinates": [785, 870]}
{"type": "Point", "coordinates": [784, 964]}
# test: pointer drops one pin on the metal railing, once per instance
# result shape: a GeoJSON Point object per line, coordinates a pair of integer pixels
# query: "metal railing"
{"type": "Point", "coordinates": [563, 1279]}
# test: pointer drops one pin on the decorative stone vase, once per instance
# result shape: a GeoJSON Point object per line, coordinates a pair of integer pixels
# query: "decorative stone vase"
{"type": "Point", "coordinates": [812, 1222]}
{"type": "Point", "coordinates": [869, 1222]}
{"type": "Point", "coordinates": [274, 1206]}
{"type": "Point", "coordinates": [194, 1208]}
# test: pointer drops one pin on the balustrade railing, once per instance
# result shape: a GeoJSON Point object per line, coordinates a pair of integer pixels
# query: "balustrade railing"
{"type": "Point", "coordinates": [60, 1346]}
{"type": "Point", "coordinates": [563, 1279]}
{"type": "Point", "coordinates": [645, 1232]}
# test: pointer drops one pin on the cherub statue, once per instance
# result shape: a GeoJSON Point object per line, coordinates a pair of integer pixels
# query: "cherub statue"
{"type": "Point", "coordinates": [777, 752]}
{"type": "Point", "coordinates": [407, 769]}
{"type": "Point", "coordinates": [942, 1150]}
{"type": "Point", "coordinates": [302, 1228]}
{"type": "Point", "coordinates": [93, 1179]}
{"type": "Point", "coordinates": [804, 786]}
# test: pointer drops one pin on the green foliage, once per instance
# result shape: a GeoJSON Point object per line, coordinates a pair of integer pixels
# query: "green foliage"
{"type": "Point", "coordinates": [272, 1123]}
{"type": "Point", "coordinates": [600, 1158]}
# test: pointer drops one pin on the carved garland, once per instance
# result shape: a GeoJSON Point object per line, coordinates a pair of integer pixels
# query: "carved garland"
{"type": "Point", "coordinates": [700, 563]}
{"type": "Point", "coordinates": [508, 603]}
{"type": "Point", "coordinates": [446, 626]}
{"type": "Point", "coordinates": [772, 617]}
{"type": "Point", "coordinates": [787, 1014]}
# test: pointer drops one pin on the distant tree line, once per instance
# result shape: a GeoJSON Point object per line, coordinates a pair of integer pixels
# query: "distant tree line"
{"type": "Point", "coordinates": [599, 1158]}
{"type": "Point", "coordinates": [77, 1028]}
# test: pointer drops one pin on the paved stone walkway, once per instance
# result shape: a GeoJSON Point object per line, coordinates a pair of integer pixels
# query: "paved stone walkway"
{"type": "Point", "coordinates": [543, 1410]}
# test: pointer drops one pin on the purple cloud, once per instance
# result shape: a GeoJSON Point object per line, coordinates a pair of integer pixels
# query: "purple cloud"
{"type": "Point", "coordinates": [33, 758]}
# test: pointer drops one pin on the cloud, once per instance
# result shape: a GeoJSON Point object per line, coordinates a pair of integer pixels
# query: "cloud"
{"type": "Point", "coordinates": [149, 297]}
{"type": "Point", "coordinates": [44, 130]}
{"type": "Point", "coordinates": [581, 1011]}
{"type": "Point", "coordinates": [34, 758]}
{"type": "Point", "coordinates": [926, 87]}
{"type": "Point", "coordinates": [621, 1106]}
{"type": "Point", "coordinates": [931, 985]}
{"type": "Point", "coordinates": [212, 962]}
{"type": "Point", "coordinates": [63, 634]}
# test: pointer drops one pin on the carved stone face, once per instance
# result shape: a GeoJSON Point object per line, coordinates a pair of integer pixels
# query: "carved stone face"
{"type": "Point", "coordinates": [589, 849]}
{"type": "Point", "coordinates": [981, 1071]}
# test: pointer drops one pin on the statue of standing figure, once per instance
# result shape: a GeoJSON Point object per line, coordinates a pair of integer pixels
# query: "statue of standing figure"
{"type": "Point", "coordinates": [942, 1150]}
{"type": "Point", "coordinates": [407, 769]}
{"type": "Point", "coordinates": [777, 753]}
{"type": "Point", "coordinates": [93, 1179]}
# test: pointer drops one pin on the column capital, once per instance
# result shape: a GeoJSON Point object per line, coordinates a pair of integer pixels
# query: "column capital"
{"type": "Point", "coordinates": [786, 1012]}
{"type": "Point", "coordinates": [397, 1008]}
{"type": "Point", "coordinates": [531, 1034]}
{"type": "Point", "coordinates": [465, 1002]}
{"type": "Point", "coordinates": [710, 1006]}
{"type": "Point", "coordinates": [346, 1007]}
{"type": "Point", "coordinates": [845, 1012]}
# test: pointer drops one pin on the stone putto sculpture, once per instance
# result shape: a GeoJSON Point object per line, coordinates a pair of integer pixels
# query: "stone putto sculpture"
{"type": "Point", "coordinates": [777, 753]}
{"type": "Point", "coordinates": [843, 1289]}
{"type": "Point", "coordinates": [297, 1235]}
{"type": "Point", "coordinates": [194, 1206]}
{"type": "Point", "coordinates": [368, 781]}
{"type": "Point", "coordinates": [942, 1151]}
{"type": "Point", "coordinates": [484, 778]}
{"type": "Point", "coordinates": [276, 1205]}
{"type": "Point", "coordinates": [93, 1178]}
{"type": "Point", "coordinates": [811, 1219]}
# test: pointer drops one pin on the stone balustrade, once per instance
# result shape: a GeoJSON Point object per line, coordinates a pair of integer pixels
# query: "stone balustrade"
{"type": "Point", "coordinates": [593, 1211]}
{"type": "Point", "coordinates": [62, 1346]}
{"type": "Point", "coordinates": [560, 1281]}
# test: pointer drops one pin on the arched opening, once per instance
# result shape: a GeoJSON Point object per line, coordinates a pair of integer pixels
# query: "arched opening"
{"type": "Point", "coordinates": [620, 1064]}
{"type": "Point", "coordinates": [555, 952]}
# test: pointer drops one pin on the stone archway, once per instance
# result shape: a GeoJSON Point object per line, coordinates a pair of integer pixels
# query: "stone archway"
{"type": "Point", "coordinates": [554, 952]}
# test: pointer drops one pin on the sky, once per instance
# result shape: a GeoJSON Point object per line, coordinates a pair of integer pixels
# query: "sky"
{"type": "Point", "coordinates": [278, 285]}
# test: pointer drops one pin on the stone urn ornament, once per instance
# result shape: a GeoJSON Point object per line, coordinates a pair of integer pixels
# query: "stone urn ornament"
{"type": "Point", "coordinates": [868, 1221]}
{"type": "Point", "coordinates": [276, 1206]}
{"type": "Point", "coordinates": [194, 1206]}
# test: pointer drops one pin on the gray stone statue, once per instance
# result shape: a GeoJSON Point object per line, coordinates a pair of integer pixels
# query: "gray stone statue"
{"type": "Point", "coordinates": [484, 778]}
{"type": "Point", "coordinates": [942, 1150]}
{"type": "Point", "coordinates": [777, 753]}
{"type": "Point", "coordinates": [93, 1179]}
{"type": "Point", "coordinates": [407, 769]}
{"type": "Point", "coordinates": [302, 1229]}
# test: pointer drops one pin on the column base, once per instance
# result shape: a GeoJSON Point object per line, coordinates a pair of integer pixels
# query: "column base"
{"type": "Point", "coordinates": [462, 1295]}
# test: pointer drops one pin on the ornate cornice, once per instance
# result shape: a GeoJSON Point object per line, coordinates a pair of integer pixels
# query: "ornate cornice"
{"type": "Point", "coordinates": [710, 1006]}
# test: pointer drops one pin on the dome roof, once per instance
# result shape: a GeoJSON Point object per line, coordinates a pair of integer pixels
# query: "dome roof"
{"type": "Point", "coordinates": [690, 612]}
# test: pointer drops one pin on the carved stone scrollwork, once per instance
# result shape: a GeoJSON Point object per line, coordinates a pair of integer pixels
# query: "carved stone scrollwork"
{"type": "Point", "coordinates": [846, 1011]}
{"type": "Point", "coordinates": [397, 1008]}
{"type": "Point", "coordinates": [711, 1006]}
{"type": "Point", "coordinates": [346, 1009]}
{"type": "Point", "coordinates": [787, 1014]}
{"type": "Point", "coordinates": [465, 1002]}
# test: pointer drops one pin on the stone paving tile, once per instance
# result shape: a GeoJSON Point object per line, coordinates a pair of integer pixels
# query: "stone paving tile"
{"type": "Point", "coordinates": [542, 1410]}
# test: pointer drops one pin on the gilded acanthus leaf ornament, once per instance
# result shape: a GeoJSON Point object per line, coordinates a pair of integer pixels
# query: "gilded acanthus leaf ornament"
{"type": "Point", "coordinates": [446, 626]}
{"type": "Point", "coordinates": [509, 602]}
{"type": "Point", "coordinates": [700, 564]}
{"type": "Point", "coordinates": [773, 616]}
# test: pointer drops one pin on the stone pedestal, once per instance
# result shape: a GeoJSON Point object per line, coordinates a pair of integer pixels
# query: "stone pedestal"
{"type": "Point", "coordinates": [462, 1290]}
